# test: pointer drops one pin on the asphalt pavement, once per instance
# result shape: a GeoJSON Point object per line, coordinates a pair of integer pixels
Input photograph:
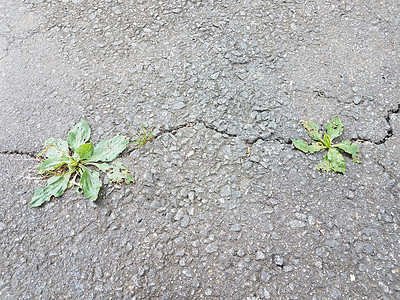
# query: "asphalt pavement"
{"type": "Point", "coordinates": [224, 206]}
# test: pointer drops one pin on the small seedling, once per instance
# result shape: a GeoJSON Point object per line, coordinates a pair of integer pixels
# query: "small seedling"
{"type": "Point", "coordinates": [333, 160]}
{"type": "Point", "coordinates": [141, 138]}
{"type": "Point", "coordinates": [67, 164]}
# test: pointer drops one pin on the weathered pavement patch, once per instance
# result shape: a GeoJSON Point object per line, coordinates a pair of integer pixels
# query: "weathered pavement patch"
{"type": "Point", "coordinates": [223, 207]}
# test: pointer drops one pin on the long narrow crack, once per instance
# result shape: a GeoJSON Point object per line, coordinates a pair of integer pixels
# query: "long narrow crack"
{"type": "Point", "coordinates": [213, 128]}
{"type": "Point", "coordinates": [192, 124]}
{"type": "Point", "coordinates": [248, 142]}
{"type": "Point", "coordinates": [181, 126]}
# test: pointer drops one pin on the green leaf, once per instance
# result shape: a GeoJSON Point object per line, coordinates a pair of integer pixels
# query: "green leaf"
{"type": "Point", "coordinates": [334, 128]}
{"type": "Point", "coordinates": [78, 135]}
{"type": "Point", "coordinates": [116, 173]}
{"type": "Point", "coordinates": [90, 183]}
{"type": "Point", "coordinates": [83, 151]}
{"type": "Point", "coordinates": [53, 163]}
{"type": "Point", "coordinates": [333, 161]}
{"type": "Point", "coordinates": [303, 146]}
{"type": "Point", "coordinates": [315, 147]}
{"type": "Point", "coordinates": [109, 150]}
{"type": "Point", "coordinates": [313, 129]}
{"type": "Point", "coordinates": [55, 148]}
{"type": "Point", "coordinates": [327, 141]}
{"type": "Point", "coordinates": [39, 197]}
{"type": "Point", "coordinates": [350, 148]}
{"type": "Point", "coordinates": [55, 187]}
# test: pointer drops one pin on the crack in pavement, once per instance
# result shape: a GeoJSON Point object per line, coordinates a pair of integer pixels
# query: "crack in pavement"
{"type": "Point", "coordinates": [213, 128]}
{"type": "Point", "coordinates": [389, 132]}
{"type": "Point", "coordinates": [191, 124]}
{"type": "Point", "coordinates": [248, 142]}
{"type": "Point", "coordinates": [323, 94]}
{"type": "Point", "coordinates": [16, 152]}
{"type": "Point", "coordinates": [393, 176]}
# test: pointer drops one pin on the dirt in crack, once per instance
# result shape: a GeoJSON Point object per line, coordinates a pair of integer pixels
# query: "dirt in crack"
{"type": "Point", "coordinates": [210, 127]}
{"type": "Point", "coordinates": [389, 133]}
{"type": "Point", "coordinates": [16, 152]}
{"type": "Point", "coordinates": [249, 142]}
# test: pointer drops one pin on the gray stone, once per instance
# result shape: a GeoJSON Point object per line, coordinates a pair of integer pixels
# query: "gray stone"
{"type": "Point", "coordinates": [335, 294]}
{"type": "Point", "coordinates": [235, 228]}
{"type": "Point", "coordinates": [226, 191]}
{"type": "Point", "coordinates": [265, 276]}
{"type": "Point", "coordinates": [260, 255]}
{"type": "Point", "coordinates": [383, 287]}
{"type": "Point", "coordinates": [185, 221]}
{"type": "Point", "coordinates": [267, 295]}
{"type": "Point", "coordinates": [278, 260]}
{"type": "Point", "coordinates": [179, 214]}
{"type": "Point", "coordinates": [287, 269]}
{"type": "Point", "coordinates": [211, 248]}
{"type": "Point", "coordinates": [297, 224]}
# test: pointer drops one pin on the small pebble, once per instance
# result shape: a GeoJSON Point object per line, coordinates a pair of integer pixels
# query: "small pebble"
{"type": "Point", "coordinates": [260, 255]}
{"type": "Point", "coordinates": [211, 248]}
{"type": "Point", "coordinates": [278, 260]}
{"type": "Point", "coordinates": [235, 228]}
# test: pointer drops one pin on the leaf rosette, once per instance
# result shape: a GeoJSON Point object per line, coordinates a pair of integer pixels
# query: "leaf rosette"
{"type": "Point", "coordinates": [67, 161]}
{"type": "Point", "coordinates": [333, 160]}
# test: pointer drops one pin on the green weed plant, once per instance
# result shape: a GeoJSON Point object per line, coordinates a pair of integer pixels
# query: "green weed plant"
{"type": "Point", "coordinates": [142, 137]}
{"type": "Point", "coordinates": [333, 160]}
{"type": "Point", "coordinates": [67, 164]}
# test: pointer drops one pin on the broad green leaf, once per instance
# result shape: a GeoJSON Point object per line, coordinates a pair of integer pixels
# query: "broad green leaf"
{"type": "Point", "coordinates": [90, 183]}
{"type": "Point", "coordinates": [78, 135]}
{"type": "Point", "coordinates": [109, 150]}
{"type": "Point", "coordinates": [39, 197]}
{"type": "Point", "coordinates": [83, 151]}
{"type": "Point", "coordinates": [337, 160]}
{"type": "Point", "coordinates": [55, 187]}
{"type": "Point", "coordinates": [315, 147]}
{"type": "Point", "coordinates": [55, 148]}
{"type": "Point", "coordinates": [334, 128]}
{"type": "Point", "coordinates": [313, 129]}
{"type": "Point", "coordinates": [327, 140]}
{"type": "Point", "coordinates": [350, 148]}
{"type": "Point", "coordinates": [53, 163]}
{"type": "Point", "coordinates": [303, 146]}
{"type": "Point", "coordinates": [116, 173]}
{"type": "Point", "coordinates": [333, 161]}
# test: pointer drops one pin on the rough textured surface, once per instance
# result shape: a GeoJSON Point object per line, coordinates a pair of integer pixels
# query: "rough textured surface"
{"type": "Point", "coordinates": [223, 206]}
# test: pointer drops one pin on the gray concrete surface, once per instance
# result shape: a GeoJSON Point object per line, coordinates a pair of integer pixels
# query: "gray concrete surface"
{"type": "Point", "coordinates": [223, 206]}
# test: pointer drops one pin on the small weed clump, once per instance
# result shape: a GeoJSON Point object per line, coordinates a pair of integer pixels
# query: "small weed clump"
{"type": "Point", "coordinates": [333, 160]}
{"type": "Point", "coordinates": [142, 137]}
{"type": "Point", "coordinates": [67, 164]}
